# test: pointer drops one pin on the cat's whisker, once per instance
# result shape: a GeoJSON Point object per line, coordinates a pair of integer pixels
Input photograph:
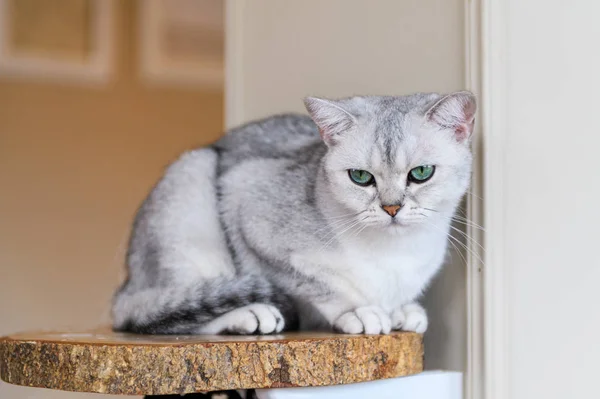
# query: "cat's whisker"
{"type": "Point", "coordinates": [468, 237]}
{"type": "Point", "coordinates": [331, 228]}
{"type": "Point", "coordinates": [332, 232]}
{"type": "Point", "coordinates": [458, 251]}
{"type": "Point", "coordinates": [469, 250]}
{"type": "Point", "coordinates": [353, 214]}
{"type": "Point", "coordinates": [334, 225]}
{"type": "Point", "coordinates": [466, 248]}
{"type": "Point", "coordinates": [461, 217]}
{"type": "Point", "coordinates": [462, 232]}
{"type": "Point", "coordinates": [461, 211]}
{"type": "Point", "coordinates": [469, 224]}
{"type": "Point", "coordinates": [465, 221]}
{"type": "Point", "coordinates": [340, 233]}
{"type": "Point", "coordinates": [350, 227]}
{"type": "Point", "coordinates": [339, 223]}
{"type": "Point", "coordinates": [364, 226]}
{"type": "Point", "coordinates": [474, 195]}
{"type": "Point", "coordinates": [458, 219]}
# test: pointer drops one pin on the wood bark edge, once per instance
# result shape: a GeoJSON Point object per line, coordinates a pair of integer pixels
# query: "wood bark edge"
{"type": "Point", "coordinates": [154, 369]}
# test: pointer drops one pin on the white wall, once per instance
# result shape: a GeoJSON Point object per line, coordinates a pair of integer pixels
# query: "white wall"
{"type": "Point", "coordinates": [281, 51]}
{"type": "Point", "coordinates": [544, 84]}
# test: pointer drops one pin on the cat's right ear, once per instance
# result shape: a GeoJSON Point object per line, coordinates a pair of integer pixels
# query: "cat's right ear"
{"type": "Point", "coordinates": [330, 117]}
{"type": "Point", "coordinates": [455, 111]}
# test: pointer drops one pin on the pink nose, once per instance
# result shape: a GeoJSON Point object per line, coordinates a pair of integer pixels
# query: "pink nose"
{"type": "Point", "coordinates": [391, 210]}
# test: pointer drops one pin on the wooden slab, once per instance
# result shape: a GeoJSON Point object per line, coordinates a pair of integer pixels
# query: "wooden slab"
{"type": "Point", "coordinates": [113, 363]}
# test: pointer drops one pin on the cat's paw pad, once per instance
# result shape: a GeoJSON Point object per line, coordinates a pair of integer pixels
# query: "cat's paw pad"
{"type": "Point", "coordinates": [364, 320]}
{"type": "Point", "coordinates": [257, 318]}
{"type": "Point", "coordinates": [410, 317]}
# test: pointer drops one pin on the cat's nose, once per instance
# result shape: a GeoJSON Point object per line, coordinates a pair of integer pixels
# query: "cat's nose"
{"type": "Point", "coordinates": [391, 210]}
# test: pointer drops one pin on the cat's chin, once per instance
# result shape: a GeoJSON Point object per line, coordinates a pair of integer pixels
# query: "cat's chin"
{"type": "Point", "coordinates": [396, 226]}
{"type": "Point", "coordinates": [399, 226]}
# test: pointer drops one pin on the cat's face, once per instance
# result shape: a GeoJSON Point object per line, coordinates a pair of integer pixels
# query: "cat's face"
{"type": "Point", "coordinates": [396, 162]}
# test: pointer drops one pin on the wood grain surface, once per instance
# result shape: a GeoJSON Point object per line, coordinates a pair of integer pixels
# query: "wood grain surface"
{"type": "Point", "coordinates": [113, 363]}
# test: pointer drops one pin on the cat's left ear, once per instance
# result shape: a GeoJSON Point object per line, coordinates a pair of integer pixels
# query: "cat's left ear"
{"type": "Point", "coordinates": [330, 117]}
{"type": "Point", "coordinates": [455, 111]}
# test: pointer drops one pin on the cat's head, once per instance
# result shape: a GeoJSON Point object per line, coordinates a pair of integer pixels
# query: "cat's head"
{"type": "Point", "coordinates": [396, 161]}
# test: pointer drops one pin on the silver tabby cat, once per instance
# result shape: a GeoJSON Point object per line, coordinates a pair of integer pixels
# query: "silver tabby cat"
{"type": "Point", "coordinates": [338, 220]}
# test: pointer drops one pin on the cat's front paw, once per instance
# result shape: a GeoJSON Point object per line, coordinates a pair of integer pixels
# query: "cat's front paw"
{"type": "Point", "coordinates": [364, 320]}
{"type": "Point", "coordinates": [410, 317]}
{"type": "Point", "coordinates": [256, 318]}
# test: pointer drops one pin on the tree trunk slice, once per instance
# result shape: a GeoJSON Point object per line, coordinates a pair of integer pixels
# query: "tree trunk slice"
{"type": "Point", "coordinates": [125, 364]}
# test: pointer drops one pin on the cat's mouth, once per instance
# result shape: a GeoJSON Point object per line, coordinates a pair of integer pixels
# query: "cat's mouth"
{"type": "Point", "coordinates": [404, 222]}
{"type": "Point", "coordinates": [395, 226]}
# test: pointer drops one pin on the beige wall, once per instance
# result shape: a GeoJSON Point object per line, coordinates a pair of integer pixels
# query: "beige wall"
{"type": "Point", "coordinates": [286, 50]}
{"type": "Point", "coordinates": [282, 51]}
{"type": "Point", "coordinates": [75, 163]}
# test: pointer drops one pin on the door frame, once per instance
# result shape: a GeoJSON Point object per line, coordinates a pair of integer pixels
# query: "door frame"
{"type": "Point", "coordinates": [491, 18]}
{"type": "Point", "coordinates": [474, 382]}
{"type": "Point", "coordinates": [486, 75]}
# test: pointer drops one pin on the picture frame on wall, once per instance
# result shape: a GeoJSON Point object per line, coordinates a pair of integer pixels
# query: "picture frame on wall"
{"type": "Point", "coordinates": [181, 42]}
{"type": "Point", "coordinates": [65, 40]}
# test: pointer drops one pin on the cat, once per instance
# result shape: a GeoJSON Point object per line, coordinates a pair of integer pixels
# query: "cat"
{"type": "Point", "coordinates": [336, 220]}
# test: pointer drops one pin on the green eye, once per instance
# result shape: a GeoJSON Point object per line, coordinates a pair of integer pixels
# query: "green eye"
{"type": "Point", "coordinates": [361, 177]}
{"type": "Point", "coordinates": [421, 174]}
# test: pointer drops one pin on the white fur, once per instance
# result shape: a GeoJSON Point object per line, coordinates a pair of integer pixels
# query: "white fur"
{"type": "Point", "coordinates": [364, 320]}
{"type": "Point", "coordinates": [410, 317]}
{"type": "Point", "coordinates": [375, 269]}
{"type": "Point", "coordinates": [189, 224]}
{"type": "Point", "coordinates": [186, 223]}
{"type": "Point", "coordinates": [255, 318]}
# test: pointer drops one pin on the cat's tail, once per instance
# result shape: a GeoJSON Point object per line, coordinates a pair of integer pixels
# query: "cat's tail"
{"type": "Point", "coordinates": [181, 276]}
{"type": "Point", "coordinates": [245, 305]}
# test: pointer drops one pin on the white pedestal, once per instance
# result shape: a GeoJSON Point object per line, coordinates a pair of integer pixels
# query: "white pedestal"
{"type": "Point", "coordinates": [426, 385]}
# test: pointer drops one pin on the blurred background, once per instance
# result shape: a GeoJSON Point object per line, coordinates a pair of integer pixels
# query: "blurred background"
{"type": "Point", "coordinates": [98, 96]}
